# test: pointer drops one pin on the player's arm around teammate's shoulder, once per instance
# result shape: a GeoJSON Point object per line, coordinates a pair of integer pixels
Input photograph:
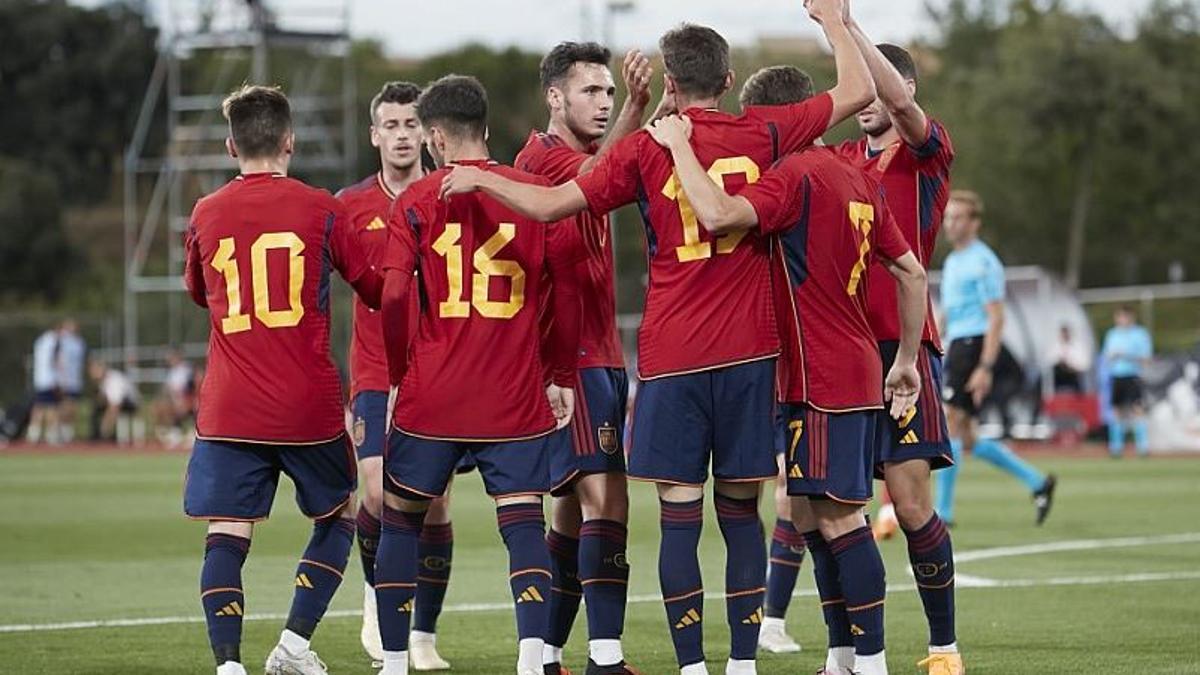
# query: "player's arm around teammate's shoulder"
{"type": "Point", "coordinates": [536, 202]}
{"type": "Point", "coordinates": [716, 210]}
{"type": "Point", "coordinates": [350, 258]}
{"type": "Point", "coordinates": [399, 262]}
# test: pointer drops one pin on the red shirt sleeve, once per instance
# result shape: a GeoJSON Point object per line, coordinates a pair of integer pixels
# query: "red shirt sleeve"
{"type": "Point", "coordinates": [888, 241]}
{"type": "Point", "coordinates": [613, 182]}
{"type": "Point", "coordinates": [563, 255]}
{"type": "Point", "coordinates": [557, 161]}
{"type": "Point", "coordinates": [350, 258]}
{"type": "Point", "coordinates": [797, 125]}
{"type": "Point", "coordinates": [779, 196]}
{"type": "Point", "coordinates": [193, 268]}
{"type": "Point", "coordinates": [399, 261]}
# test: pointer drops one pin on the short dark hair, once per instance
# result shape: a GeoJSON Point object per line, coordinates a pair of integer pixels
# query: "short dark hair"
{"type": "Point", "coordinates": [557, 63]}
{"type": "Point", "coordinates": [456, 103]}
{"type": "Point", "coordinates": [394, 92]}
{"type": "Point", "coordinates": [901, 59]}
{"type": "Point", "coordinates": [777, 85]}
{"type": "Point", "coordinates": [260, 118]}
{"type": "Point", "coordinates": [697, 58]}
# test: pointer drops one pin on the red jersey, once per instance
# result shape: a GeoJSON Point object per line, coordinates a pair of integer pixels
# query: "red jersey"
{"type": "Point", "coordinates": [832, 219]}
{"type": "Point", "coordinates": [368, 203]}
{"type": "Point", "coordinates": [708, 303]}
{"type": "Point", "coordinates": [259, 253]}
{"type": "Point", "coordinates": [549, 156]}
{"type": "Point", "coordinates": [473, 371]}
{"type": "Point", "coordinates": [917, 184]}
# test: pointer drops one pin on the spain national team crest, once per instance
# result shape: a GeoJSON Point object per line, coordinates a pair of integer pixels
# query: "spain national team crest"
{"type": "Point", "coordinates": [607, 437]}
{"type": "Point", "coordinates": [358, 432]}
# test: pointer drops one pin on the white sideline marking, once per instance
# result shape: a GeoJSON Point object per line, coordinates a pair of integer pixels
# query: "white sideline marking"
{"type": "Point", "coordinates": [962, 581]}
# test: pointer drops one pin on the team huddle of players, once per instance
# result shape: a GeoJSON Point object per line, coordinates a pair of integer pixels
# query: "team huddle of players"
{"type": "Point", "coordinates": [785, 333]}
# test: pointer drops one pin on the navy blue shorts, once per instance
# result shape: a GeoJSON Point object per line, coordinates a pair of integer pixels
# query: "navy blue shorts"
{"type": "Point", "coordinates": [423, 466]}
{"type": "Point", "coordinates": [231, 480]}
{"type": "Point", "coordinates": [922, 432]}
{"type": "Point", "coordinates": [830, 455]}
{"type": "Point", "coordinates": [47, 397]}
{"type": "Point", "coordinates": [727, 413]}
{"type": "Point", "coordinates": [593, 443]}
{"type": "Point", "coordinates": [369, 430]}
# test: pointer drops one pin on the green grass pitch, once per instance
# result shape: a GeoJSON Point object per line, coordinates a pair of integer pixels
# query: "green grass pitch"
{"type": "Point", "coordinates": [98, 537]}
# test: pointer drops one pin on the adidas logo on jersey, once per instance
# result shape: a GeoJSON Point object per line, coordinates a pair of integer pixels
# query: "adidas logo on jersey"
{"type": "Point", "coordinates": [755, 618]}
{"type": "Point", "coordinates": [303, 581]}
{"type": "Point", "coordinates": [232, 609]}
{"type": "Point", "coordinates": [376, 224]}
{"type": "Point", "coordinates": [691, 618]}
{"type": "Point", "coordinates": [530, 594]}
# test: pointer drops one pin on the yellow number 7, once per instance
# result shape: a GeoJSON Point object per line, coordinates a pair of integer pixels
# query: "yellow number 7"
{"type": "Point", "coordinates": [862, 218]}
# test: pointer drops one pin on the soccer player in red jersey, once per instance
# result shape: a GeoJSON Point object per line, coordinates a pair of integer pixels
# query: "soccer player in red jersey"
{"type": "Point", "coordinates": [910, 153]}
{"type": "Point", "coordinates": [472, 381]}
{"type": "Point", "coordinates": [708, 340]}
{"type": "Point", "coordinates": [396, 133]}
{"type": "Point", "coordinates": [259, 253]}
{"type": "Point", "coordinates": [588, 532]}
{"type": "Point", "coordinates": [831, 220]}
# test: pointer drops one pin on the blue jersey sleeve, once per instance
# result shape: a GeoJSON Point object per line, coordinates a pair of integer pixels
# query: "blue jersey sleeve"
{"type": "Point", "coordinates": [991, 283]}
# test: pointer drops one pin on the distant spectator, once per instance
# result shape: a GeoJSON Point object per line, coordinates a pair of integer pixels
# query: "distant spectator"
{"type": "Point", "coordinates": [72, 357]}
{"type": "Point", "coordinates": [177, 399]}
{"type": "Point", "coordinates": [1127, 349]}
{"type": "Point", "coordinates": [1071, 361]}
{"type": "Point", "coordinates": [47, 393]}
{"type": "Point", "coordinates": [116, 398]}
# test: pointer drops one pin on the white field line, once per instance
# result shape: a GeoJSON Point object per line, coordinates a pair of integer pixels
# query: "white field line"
{"type": "Point", "coordinates": [962, 581]}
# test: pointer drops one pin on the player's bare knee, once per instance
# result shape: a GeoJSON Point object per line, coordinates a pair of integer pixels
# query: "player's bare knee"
{"type": "Point", "coordinates": [679, 493]}
{"type": "Point", "coordinates": [835, 519]}
{"type": "Point", "coordinates": [566, 517]}
{"type": "Point", "coordinates": [232, 528]}
{"type": "Point", "coordinates": [439, 510]}
{"type": "Point", "coordinates": [738, 490]}
{"type": "Point", "coordinates": [604, 496]}
{"type": "Point", "coordinates": [518, 499]}
{"type": "Point", "coordinates": [407, 504]}
{"type": "Point", "coordinates": [801, 514]}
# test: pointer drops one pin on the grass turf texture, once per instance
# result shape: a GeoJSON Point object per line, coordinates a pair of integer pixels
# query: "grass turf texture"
{"type": "Point", "coordinates": [101, 536]}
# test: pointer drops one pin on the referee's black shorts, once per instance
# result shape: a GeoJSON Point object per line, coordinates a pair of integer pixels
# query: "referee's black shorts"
{"type": "Point", "coordinates": [1127, 392]}
{"type": "Point", "coordinates": [961, 360]}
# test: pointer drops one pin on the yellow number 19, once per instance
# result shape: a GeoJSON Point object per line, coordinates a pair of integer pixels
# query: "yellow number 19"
{"type": "Point", "coordinates": [694, 248]}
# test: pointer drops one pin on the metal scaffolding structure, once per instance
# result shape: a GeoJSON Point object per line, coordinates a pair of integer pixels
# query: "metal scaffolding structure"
{"type": "Point", "coordinates": [177, 152]}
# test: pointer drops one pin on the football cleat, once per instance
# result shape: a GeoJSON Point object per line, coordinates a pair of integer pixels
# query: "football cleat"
{"type": "Point", "coordinates": [423, 654]}
{"type": "Point", "coordinates": [283, 662]}
{"type": "Point", "coordinates": [621, 668]}
{"type": "Point", "coordinates": [946, 663]}
{"type": "Point", "coordinates": [773, 638]}
{"type": "Point", "coordinates": [555, 669]}
{"type": "Point", "coordinates": [231, 668]}
{"type": "Point", "coordinates": [371, 640]}
{"type": "Point", "coordinates": [885, 523]}
{"type": "Point", "coordinates": [1043, 499]}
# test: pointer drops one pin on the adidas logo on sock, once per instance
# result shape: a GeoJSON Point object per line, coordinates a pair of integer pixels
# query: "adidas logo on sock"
{"type": "Point", "coordinates": [232, 609]}
{"type": "Point", "coordinates": [530, 594]}
{"type": "Point", "coordinates": [407, 607]}
{"type": "Point", "coordinates": [755, 618]}
{"type": "Point", "coordinates": [691, 618]}
{"type": "Point", "coordinates": [910, 438]}
{"type": "Point", "coordinates": [303, 581]}
{"type": "Point", "coordinates": [856, 631]}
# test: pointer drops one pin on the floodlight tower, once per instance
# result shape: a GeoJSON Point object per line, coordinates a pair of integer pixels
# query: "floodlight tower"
{"type": "Point", "coordinates": [177, 151]}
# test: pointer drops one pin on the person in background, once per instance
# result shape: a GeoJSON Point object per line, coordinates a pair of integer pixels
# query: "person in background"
{"type": "Point", "coordinates": [43, 419]}
{"type": "Point", "coordinates": [72, 357]}
{"type": "Point", "coordinates": [177, 400]}
{"type": "Point", "coordinates": [1071, 361]}
{"type": "Point", "coordinates": [115, 396]}
{"type": "Point", "coordinates": [1127, 350]}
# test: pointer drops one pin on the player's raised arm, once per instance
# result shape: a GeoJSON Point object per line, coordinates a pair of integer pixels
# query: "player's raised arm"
{"type": "Point", "coordinates": [897, 94]}
{"type": "Point", "coordinates": [636, 73]}
{"type": "Point", "coordinates": [903, 383]}
{"type": "Point", "coordinates": [350, 259]}
{"type": "Point", "coordinates": [854, 89]}
{"type": "Point", "coordinates": [544, 204]}
{"type": "Point", "coordinates": [193, 269]}
{"type": "Point", "coordinates": [716, 210]}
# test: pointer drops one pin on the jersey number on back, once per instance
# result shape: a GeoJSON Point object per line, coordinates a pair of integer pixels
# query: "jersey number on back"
{"type": "Point", "coordinates": [862, 218]}
{"type": "Point", "coordinates": [226, 264]}
{"type": "Point", "coordinates": [693, 247]}
{"type": "Point", "coordinates": [486, 267]}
